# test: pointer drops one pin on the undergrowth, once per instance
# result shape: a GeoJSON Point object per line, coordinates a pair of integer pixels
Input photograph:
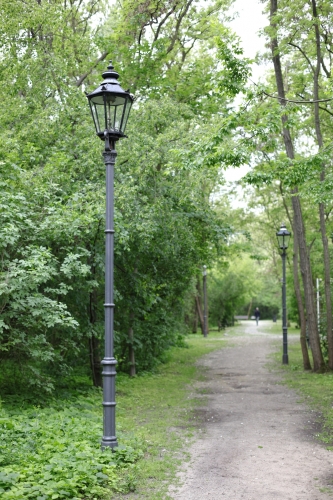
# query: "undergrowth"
{"type": "Point", "coordinates": [50, 448]}
{"type": "Point", "coordinates": [54, 452]}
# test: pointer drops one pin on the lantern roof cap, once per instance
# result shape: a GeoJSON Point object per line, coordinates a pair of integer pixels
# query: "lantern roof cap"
{"type": "Point", "coordinates": [110, 85]}
{"type": "Point", "coordinates": [283, 231]}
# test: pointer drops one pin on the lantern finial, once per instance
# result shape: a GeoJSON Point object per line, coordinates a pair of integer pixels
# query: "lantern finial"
{"type": "Point", "coordinates": [110, 74]}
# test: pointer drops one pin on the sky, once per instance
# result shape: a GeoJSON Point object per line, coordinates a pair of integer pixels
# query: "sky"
{"type": "Point", "coordinates": [247, 25]}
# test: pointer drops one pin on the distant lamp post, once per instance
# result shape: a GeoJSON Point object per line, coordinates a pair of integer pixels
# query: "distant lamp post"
{"type": "Point", "coordinates": [110, 106]}
{"type": "Point", "coordinates": [283, 237]}
{"type": "Point", "coordinates": [205, 315]}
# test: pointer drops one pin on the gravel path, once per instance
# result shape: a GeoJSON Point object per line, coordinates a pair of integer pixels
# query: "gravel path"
{"type": "Point", "coordinates": [258, 441]}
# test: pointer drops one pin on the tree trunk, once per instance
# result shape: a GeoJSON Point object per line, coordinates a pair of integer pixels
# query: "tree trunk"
{"type": "Point", "coordinates": [298, 294]}
{"type": "Point", "coordinates": [318, 361]}
{"type": "Point", "coordinates": [250, 309]}
{"type": "Point", "coordinates": [328, 298]}
{"type": "Point", "coordinates": [205, 300]}
{"type": "Point", "coordinates": [200, 314]}
{"type": "Point", "coordinates": [195, 317]}
{"type": "Point", "coordinates": [327, 282]}
{"type": "Point", "coordinates": [301, 312]}
{"type": "Point", "coordinates": [199, 308]}
{"type": "Point", "coordinates": [305, 267]}
{"type": "Point", "coordinates": [131, 351]}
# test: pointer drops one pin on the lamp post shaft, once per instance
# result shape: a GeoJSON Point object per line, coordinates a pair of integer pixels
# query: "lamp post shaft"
{"type": "Point", "coordinates": [284, 311]}
{"type": "Point", "coordinates": [109, 363]}
{"type": "Point", "coordinates": [110, 106]}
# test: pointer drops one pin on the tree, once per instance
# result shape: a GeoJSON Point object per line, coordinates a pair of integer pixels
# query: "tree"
{"type": "Point", "coordinates": [231, 286]}
{"type": "Point", "coordinates": [164, 222]}
{"type": "Point", "coordinates": [311, 41]}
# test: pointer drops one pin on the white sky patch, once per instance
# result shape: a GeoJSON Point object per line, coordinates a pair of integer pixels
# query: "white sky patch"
{"type": "Point", "coordinates": [247, 24]}
{"type": "Point", "coordinates": [235, 174]}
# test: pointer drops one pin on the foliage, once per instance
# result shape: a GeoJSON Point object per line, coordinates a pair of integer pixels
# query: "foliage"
{"type": "Point", "coordinates": [52, 178]}
{"type": "Point", "coordinates": [170, 228]}
{"type": "Point", "coordinates": [54, 452]}
{"type": "Point", "coordinates": [52, 449]}
{"type": "Point", "coordinates": [35, 283]}
{"type": "Point", "coordinates": [269, 297]}
{"type": "Point", "coordinates": [230, 287]}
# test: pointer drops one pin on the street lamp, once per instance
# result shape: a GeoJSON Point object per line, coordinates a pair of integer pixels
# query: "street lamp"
{"type": "Point", "coordinates": [283, 237]}
{"type": "Point", "coordinates": [110, 106]}
{"type": "Point", "coordinates": [205, 316]}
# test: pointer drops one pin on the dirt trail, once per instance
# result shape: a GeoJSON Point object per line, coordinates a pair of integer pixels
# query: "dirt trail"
{"type": "Point", "coordinates": [257, 442]}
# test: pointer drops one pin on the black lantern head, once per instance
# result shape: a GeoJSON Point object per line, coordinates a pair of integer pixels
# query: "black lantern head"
{"type": "Point", "coordinates": [283, 237]}
{"type": "Point", "coordinates": [110, 106]}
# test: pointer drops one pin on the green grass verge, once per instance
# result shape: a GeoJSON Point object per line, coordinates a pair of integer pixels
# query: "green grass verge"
{"type": "Point", "coordinates": [276, 328]}
{"type": "Point", "coordinates": [316, 389]}
{"type": "Point", "coordinates": [159, 410]}
{"type": "Point", "coordinates": [52, 450]}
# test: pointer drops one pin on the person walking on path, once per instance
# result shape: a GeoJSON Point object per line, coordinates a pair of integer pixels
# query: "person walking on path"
{"type": "Point", "coordinates": [257, 315]}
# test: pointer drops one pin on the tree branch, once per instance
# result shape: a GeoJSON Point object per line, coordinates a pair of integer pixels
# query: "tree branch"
{"type": "Point", "coordinates": [84, 76]}
{"type": "Point", "coordinates": [327, 110]}
{"type": "Point", "coordinates": [181, 17]}
{"type": "Point", "coordinates": [296, 102]}
{"type": "Point", "coordinates": [163, 21]}
{"type": "Point", "coordinates": [328, 73]}
{"type": "Point", "coordinates": [304, 54]}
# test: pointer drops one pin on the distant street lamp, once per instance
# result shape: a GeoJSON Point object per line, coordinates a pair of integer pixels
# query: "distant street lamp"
{"type": "Point", "coordinates": [110, 106]}
{"type": "Point", "coordinates": [205, 315]}
{"type": "Point", "coordinates": [283, 237]}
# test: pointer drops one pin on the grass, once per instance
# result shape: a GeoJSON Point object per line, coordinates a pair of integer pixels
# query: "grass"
{"type": "Point", "coordinates": [161, 412]}
{"type": "Point", "coordinates": [276, 328]}
{"type": "Point", "coordinates": [315, 389]}
{"type": "Point", "coordinates": [52, 450]}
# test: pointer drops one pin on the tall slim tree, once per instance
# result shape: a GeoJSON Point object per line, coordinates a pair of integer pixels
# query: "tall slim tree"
{"type": "Point", "coordinates": [298, 223]}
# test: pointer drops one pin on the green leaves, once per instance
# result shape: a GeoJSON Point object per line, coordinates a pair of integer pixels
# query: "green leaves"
{"type": "Point", "coordinates": [32, 283]}
{"type": "Point", "coordinates": [236, 69]}
{"type": "Point", "coordinates": [54, 453]}
{"type": "Point", "coordinates": [52, 192]}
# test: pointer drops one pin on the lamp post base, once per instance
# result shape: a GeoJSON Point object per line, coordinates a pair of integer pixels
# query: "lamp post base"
{"type": "Point", "coordinates": [285, 360]}
{"type": "Point", "coordinates": [109, 439]}
{"type": "Point", "coordinates": [109, 442]}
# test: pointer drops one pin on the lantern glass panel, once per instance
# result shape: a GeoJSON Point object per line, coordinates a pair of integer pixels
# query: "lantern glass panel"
{"type": "Point", "coordinates": [114, 107]}
{"type": "Point", "coordinates": [126, 114]}
{"type": "Point", "coordinates": [286, 240]}
{"type": "Point", "coordinates": [97, 114]}
{"type": "Point", "coordinates": [281, 238]}
{"type": "Point", "coordinates": [110, 112]}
